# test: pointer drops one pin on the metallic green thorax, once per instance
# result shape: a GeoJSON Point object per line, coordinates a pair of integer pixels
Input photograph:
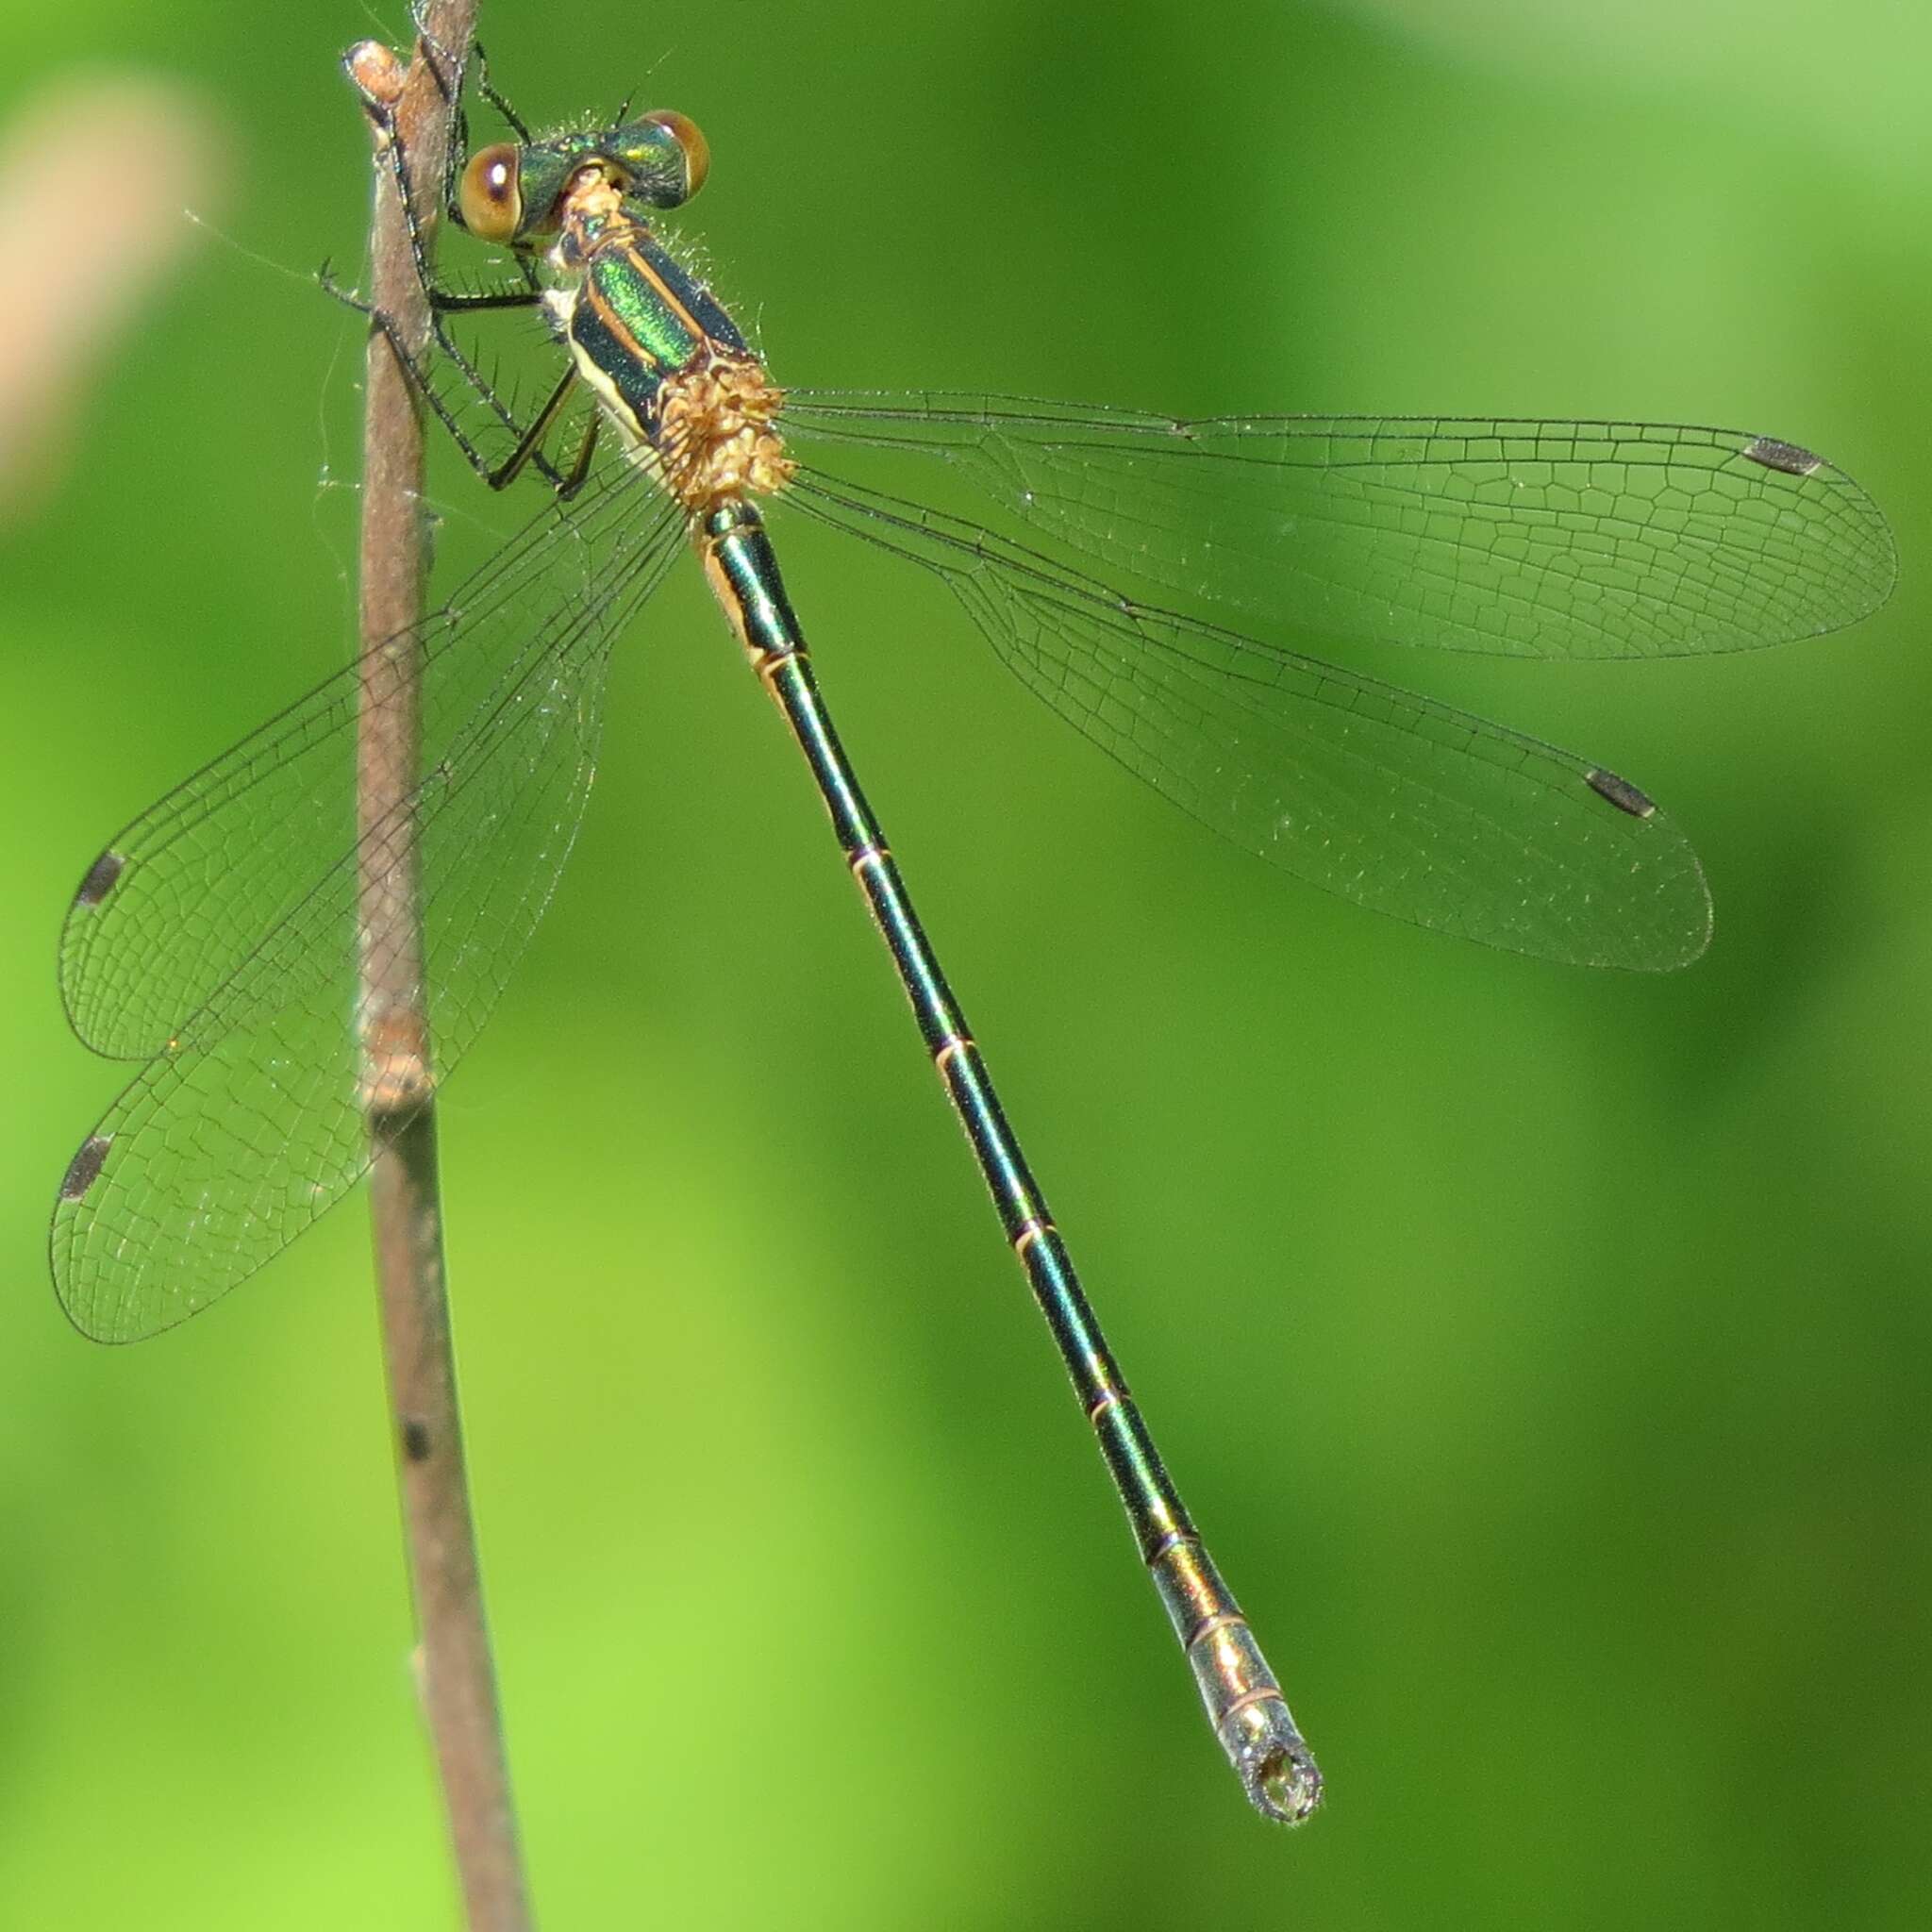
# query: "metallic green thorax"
{"type": "Point", "coordinates": [663, 358]}
{"type": "Point", "coordinates": [637, 317]}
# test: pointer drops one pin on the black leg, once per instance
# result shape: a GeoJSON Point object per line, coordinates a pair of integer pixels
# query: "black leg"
{"type": "Point", "coordinates": [530, 444]}
{"type": "Point", "coordinates": [496, 99]}
{"type": "Point", "coordinates": [580, 469]}
{"type": "Point", "coordinates": [444, 303]}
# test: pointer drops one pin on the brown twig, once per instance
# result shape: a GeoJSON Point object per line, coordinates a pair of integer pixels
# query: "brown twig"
{"type": "Point", "coordinates": [456, 1677]}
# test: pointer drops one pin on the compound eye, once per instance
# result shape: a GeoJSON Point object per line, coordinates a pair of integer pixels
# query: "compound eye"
{"type": "Point", "coordinates": [489, 197]}
{"type": "Point", "coordinates": [690, 144]}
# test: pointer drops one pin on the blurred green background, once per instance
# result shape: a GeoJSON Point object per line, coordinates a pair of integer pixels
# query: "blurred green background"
{"type": "Point", "coordinates": [1545, 1354]}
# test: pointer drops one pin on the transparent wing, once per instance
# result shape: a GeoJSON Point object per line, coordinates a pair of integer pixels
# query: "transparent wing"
{"type": "Point", "coordinates": [174, 905]}
{"type": "Point", "coordinates": [250, 1119]}
{"type": "Point", "coordinates": [1394, 801]}
{"type": "Point", "coordinates": [1545, 540]}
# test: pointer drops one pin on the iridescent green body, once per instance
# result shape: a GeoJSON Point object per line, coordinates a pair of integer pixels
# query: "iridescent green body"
{"type": "Point", "coordinates": [635, 318]}
{"type": "Point", "coordinates": [207, 940]}
{"type": "Point", "coordinates": [648, 338]}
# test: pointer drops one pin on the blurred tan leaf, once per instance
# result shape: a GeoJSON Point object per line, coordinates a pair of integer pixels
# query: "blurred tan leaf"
{"type": "Point", "coordinates": [97, 174]}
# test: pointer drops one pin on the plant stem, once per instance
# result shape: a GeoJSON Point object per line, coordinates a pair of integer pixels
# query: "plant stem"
{"type": "Point", "coordinates": [455, 1673]}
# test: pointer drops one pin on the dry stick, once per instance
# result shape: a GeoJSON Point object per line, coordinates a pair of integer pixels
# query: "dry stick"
{"type": "Point", "coordinates": [456, 1675]}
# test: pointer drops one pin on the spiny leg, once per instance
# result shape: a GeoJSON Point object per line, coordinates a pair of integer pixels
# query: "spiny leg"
{"type": "Point", "coordinates": [496, 99]}
{"type": "Point", "coordinates": [443, 301]}
{"type": "Point", "coordinates": [530, 444]}
{"type": "Point", "coordinates": [494, 471]}
{"type": "Point", "coordinates": [455, 154]}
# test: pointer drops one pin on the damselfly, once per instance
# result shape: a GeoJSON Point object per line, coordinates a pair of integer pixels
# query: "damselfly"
{"type": "Point", "coordinates": [214, 938]}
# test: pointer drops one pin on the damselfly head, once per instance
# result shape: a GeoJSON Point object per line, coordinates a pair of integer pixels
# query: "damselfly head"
{"type": "Point", "coordinates": [513, 196]}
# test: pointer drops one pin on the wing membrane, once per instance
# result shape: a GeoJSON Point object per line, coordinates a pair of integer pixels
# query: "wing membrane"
{"type": "Point", "coordinates": [171, 911]}
{"type": "Point", "coordinates": [252, 1120]}
{"type": "Point", "coordinates": [1533, 539]}
{"type": "Point", "coordinates": [1403, 805]}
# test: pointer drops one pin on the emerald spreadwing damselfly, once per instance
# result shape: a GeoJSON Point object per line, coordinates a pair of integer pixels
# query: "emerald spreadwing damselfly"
{"type": "Point", "coordinates": [215, 939]}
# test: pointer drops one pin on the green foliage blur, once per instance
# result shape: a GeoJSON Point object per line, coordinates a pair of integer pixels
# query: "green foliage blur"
{"type": "Point", "coordinates": [1544, 1354]}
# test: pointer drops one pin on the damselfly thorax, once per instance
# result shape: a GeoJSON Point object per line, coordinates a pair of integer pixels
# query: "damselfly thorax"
{"type": "Point", "coordinates": [669, 368]}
